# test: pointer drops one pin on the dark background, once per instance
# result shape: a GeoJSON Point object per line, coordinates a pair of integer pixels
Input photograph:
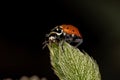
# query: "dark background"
{"type": "Point", "coordinates": [24, 25]}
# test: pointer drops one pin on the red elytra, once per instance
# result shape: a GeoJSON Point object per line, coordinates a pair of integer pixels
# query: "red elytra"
{"type": "Point", "coordinates": [70, 29]}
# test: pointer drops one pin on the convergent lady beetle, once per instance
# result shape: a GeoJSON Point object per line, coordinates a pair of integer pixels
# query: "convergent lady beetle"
{"type": "Point", "coordinates": [66, 32]}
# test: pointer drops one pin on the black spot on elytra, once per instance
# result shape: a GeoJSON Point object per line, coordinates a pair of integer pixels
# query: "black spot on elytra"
{"type": "Point", "coordinates": [73, 31]}
{"type": "Point", "coordinates": [67, 27]}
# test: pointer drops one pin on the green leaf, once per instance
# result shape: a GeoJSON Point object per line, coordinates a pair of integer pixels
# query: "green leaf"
{"type": "Point", "coordinates": [69, 63]}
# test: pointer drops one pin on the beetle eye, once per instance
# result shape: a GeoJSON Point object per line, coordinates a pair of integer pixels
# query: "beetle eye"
{"type": "Point", "coordinates": [57, 30]}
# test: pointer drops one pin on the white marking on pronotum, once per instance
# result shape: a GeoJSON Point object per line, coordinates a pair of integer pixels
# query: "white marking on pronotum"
{"type": "Point", "coordinates": [57, 29]}
{"type": "Point", "coordinates": [61, 27]}
{"type": "Point", "coordinates": [64, 34]}
{"type": "Point", "coordinates": [55, 33]}
{"type": "Point", "coordinates": [73, 35]}
{"type": "Point", "coordinates": [59, 33]}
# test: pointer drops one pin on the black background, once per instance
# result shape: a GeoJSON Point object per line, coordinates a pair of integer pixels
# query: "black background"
{"type": "Point", "coordinates": [25, 23]}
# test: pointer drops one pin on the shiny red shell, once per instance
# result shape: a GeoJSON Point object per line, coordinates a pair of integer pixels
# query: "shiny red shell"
{"type": "Point", "coordinates": [70, 29]}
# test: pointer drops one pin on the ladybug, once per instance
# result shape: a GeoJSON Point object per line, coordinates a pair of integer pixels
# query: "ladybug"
{"type": "Point", "coordinates": [66, 32]}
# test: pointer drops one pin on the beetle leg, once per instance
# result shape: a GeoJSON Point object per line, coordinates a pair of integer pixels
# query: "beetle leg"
{"type": "Point", "coordinates": [79, 42]}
